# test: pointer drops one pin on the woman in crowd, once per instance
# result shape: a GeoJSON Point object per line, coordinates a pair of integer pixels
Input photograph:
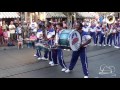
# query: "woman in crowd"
{"type": "Point", "coordinates": [1, 36]}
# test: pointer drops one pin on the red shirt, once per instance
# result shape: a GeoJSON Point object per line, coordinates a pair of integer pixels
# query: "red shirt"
{"type": "Point", "coordinates": [1, 31]}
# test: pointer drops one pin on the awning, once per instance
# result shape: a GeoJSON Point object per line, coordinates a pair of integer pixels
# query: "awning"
{"type": "Point", "coordinates": [9, 15]}
{"type": "Point", "coordinates": [55, 15]}
{"type": "Point", "coordinates": [96, 15]}
{"type": "Point", "coordinates": [84, 15]}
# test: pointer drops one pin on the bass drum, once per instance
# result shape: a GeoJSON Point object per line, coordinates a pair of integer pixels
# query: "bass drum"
{"type": "Point", "coordinates": [69, 39]}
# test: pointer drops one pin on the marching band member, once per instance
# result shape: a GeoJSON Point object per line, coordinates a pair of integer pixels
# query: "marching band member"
{"type": "Point", "coordinates": [103, 36]}
{"type": "Point", "coordinates": [59, 50]}
{"type": "Point", "coordinates": [39, 40]}
{"type": "Point", "coordinates": [114, 36]}
{"type": "Point", "coordinates": [85, 28]}
{"type": "Point", "coordinates": [50, 34]}
{"type": "Point", "coordinates": [118, 30]}
{"type": "Point", "coordinates": [98, 32]}
{"type": "Point", "coordinates": [86, 39]}
{"type": "Point", "coordinates": [93, 32]}
{"type": "Point", "coordinates": [54, 51]}
{"type": "Point", "coordinates": [109, 35]}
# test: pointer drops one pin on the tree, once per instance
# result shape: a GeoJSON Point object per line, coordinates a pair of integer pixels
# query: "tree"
{"type": "Point", "coordinates": [69, 16]}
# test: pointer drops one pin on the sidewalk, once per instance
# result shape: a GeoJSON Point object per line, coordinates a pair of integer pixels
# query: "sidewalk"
{"type": "Point", "coordinates": [10, 47]}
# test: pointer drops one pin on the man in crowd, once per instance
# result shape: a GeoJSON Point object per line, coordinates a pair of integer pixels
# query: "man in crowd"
{"type": "Point", "coordinates": [12, 29]}
{"type": "Point", "coordinates": [33, 26]}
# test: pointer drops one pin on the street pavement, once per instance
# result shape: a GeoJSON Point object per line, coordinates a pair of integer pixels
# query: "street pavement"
{"type": "Point", "coordinates": [103, 63]}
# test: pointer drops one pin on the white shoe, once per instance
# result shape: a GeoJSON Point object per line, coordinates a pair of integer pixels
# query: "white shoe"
{"type": "Point", "coordinates": [39, 58]}
{"type": "Point", "coordinates": [100, 45]}
{"type": "Point", "coordinates": [85, 76]}
{"type": "Point", "coordinates": [43, 58]}
{"type": "Point", "coordinates": [53, 64]}
{"type": "Point", "coordinates": [68, 49]}
{"type": "Point", "coordinates": [67, 71]}
{"type": "Point", "coordinates": [104, 45]}
{"type": "Point", "coordinates": [35, 55]}
{"type": "Point", "coordinates": [109, 45]}
{"type": "Point", "coordinates": [116, 47]}
{"type": "Point", "coordinates": [64, 69]}
{"type": "Point", "coordinates": [50, 62]}
{"type": "Point", "coordinates": [95, 44]}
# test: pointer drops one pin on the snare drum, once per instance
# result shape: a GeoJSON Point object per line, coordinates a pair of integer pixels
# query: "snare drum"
{"type": "Point", "coordinates": [42, 47]}
{"type": "Point", "coordinates": [69, 39]}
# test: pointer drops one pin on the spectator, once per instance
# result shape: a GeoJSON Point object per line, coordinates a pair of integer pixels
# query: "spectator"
{"type": "Point", "coordinates": [20, 42]}
{"type": "Point", "coordinates": [64, 25]}
{"type": "Point", "coordinates": [1, 35]}
{"type": "Point", "coordinates": [19, 30]}
{"type": "Point", "coordinates": [0, 22]}
{"type": "Point", "coordinates": [39, 22]}
{"type": "Point", "coordinates": [4, 26]}
{"type": "Point", "coordinates": [12, 31]}
{"type": "Point", "coordinates": [33, 38]}
{"type": "Point", "coordinates": [6, 36]}
{"type": "Point", "coordinates": [25, 29]}
{"type": "Point", "coordinates": [33, 26]}
{"type": "Point", "coordinates": [15, 23]}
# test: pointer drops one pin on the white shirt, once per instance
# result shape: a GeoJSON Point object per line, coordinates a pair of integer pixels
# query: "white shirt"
{"type": "Point", "coordinates": [57, 36]}
{"type": "Point", "coordinates": [8, 34]}
{"type": "Point", "coordinates": [114, 31]}
{"type": "Point", "coordinates": [20, 40]}
{"type": "Point", "coordinates": [0, 23]}
{"type": "Point", "coordinates": [86, 29]}
{"type": "Point", "coordinates": [92, 29]}
{"type": "Point", "coordinates": [12, 29]}
{"type": "Point", "coordinates": [19, 30]}
{"type": "Point", "coordinates": [99, 29]}
{"type": "Point", "coordinates": [39, 33]}
{"type": "Point", "coordinates": [33, 26]}
{"type": "Point", "coordinates": [50, 34]}
{"type": "Point", "coordinates": [118, 29]}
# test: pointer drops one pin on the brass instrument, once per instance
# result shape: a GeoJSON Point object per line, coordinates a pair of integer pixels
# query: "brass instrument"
{"type": "Point", "coordinates": [110, 19]}
{"type": "Point", "coordinates": [109, 32]}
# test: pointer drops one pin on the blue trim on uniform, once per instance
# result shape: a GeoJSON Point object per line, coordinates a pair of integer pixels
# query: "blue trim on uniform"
{"type": "Point", "coordinates": [84, 33]}
{"type": "Point", "coordinates": [51, 30]}
{"type": "Point", "coordinates": [83, 57]}
{"type": "Point", "coordinates": [39, 30]}
{"type": "Point", "coordinates": [59, 54]}
{"type": "Point", "coordinates": [98, 35]}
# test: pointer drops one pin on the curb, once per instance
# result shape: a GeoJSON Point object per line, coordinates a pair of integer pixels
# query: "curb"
{"type": "Point", "coordinates": [11, 47]}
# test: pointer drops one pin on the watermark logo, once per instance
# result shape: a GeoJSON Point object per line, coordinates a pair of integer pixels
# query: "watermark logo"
{"type": "Point", "coordinates": [105, 70]}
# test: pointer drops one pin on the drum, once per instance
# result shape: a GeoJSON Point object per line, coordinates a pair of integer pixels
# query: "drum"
{"type": "Point", "coordinates": [69, 39]}
{"type": "Point", "coordinates": [42, 47]}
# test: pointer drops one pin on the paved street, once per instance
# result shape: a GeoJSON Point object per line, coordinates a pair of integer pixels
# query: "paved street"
{"type": "Point", "coordinates": [21, 64]}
